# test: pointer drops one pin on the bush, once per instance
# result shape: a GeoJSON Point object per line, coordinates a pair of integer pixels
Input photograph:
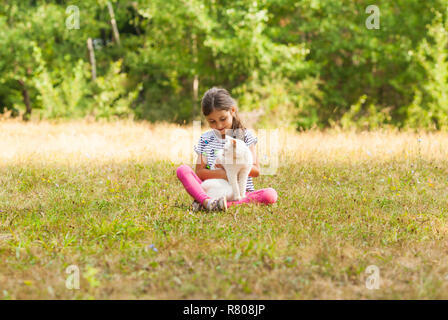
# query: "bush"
{"type": "Point", "coordinates": [361, 116]}
{"type": "Point", "coordinates": [282, 102]}
{"type": "Point", "coordinates": [429, 109]}
{"type": "Point", "coordinates": [70, 93]}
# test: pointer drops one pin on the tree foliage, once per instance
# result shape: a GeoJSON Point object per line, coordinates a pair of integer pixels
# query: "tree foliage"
{"type": "Point", "coordinates": [304, 63]}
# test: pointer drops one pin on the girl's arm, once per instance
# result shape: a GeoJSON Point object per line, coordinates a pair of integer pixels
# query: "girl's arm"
{"type": "Point", "coordinates": [255, 171]}
{"type": "Point", "coordinates": [203, 173]}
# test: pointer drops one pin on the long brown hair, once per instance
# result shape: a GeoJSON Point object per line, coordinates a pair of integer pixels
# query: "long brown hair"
{"type": "Point", "coordinates": [220, 99]}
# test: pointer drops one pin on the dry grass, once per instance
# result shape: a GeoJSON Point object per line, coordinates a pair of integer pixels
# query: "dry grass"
{"type": "Point", "coordinates": [97, 195]}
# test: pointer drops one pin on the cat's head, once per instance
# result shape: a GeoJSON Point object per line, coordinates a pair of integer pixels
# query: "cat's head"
{"type": "Point", "coordinates": [230, 144]}
{"type": "Point", "coordinates": [233, 149]}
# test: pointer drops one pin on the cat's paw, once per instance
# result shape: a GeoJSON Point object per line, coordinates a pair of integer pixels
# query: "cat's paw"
{"type": "Point", "coordinates": [238, 198]}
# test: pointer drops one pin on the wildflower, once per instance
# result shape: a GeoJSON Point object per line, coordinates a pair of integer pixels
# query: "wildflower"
{"type": "Point", "coordinates": [152, 247]}
{"type": "Point", "coordinates": [28, 282]}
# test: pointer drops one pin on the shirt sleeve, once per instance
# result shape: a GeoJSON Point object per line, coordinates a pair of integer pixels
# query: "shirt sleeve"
{"type": "Point", "coordinates": [200, 147]}
{"type": "Point", "coordinates": [250, 138]}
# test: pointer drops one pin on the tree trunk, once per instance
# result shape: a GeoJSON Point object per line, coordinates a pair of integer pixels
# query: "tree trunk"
{"type": "Point", "coordinates": [113, 22]}
{"type": "Point", "coordinates": [92, 57]}
{"type": "Point", "coordinates": [26, 100]}
{"type": "Point", "coordinates": [195, 78]}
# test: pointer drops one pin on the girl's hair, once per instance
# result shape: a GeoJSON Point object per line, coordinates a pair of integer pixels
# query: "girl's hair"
{"type": "Point", "coordinates": [220, 99]}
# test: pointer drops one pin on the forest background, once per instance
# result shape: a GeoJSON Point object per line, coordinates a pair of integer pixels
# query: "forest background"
{"type": "Point", "coordinates": [298, 64]}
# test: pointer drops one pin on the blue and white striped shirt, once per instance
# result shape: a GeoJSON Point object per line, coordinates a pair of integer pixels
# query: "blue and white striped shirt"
{"type": "Point", "coordinates": [210, 143]}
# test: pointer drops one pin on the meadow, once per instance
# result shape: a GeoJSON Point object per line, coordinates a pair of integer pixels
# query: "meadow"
{"type": "Point", "coordinates": [104, 198]}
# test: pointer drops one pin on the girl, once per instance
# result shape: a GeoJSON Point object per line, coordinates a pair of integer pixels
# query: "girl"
{"type": "Point", "coordinates": [220, 110]}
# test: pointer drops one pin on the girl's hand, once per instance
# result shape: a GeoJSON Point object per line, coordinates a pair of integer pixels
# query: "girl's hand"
{"type": "Point", "coordinates": [224, 175]}
{"type": "Point", "coordinates": [222, 172]}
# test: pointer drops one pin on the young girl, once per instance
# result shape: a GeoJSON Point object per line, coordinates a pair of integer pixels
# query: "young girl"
{"type": "Point", "coordinates": [220, 110]}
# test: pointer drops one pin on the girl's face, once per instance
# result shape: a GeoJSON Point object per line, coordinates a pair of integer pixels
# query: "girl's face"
{"type": "Point", "coordinates": [221, 120]}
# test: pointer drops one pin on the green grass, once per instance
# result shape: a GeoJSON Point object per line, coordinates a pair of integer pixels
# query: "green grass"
{"type": "Point", "coordinates": [331, 221]}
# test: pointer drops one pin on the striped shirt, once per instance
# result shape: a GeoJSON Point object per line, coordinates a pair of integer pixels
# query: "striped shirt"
{"type": "Point", "coordinates": [210, 143]}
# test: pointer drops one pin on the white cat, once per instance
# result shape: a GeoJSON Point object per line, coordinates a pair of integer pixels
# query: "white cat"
{"type": "Point", "coordinates": [237, 161]}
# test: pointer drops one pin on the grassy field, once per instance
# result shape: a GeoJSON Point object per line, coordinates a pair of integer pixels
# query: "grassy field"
{"type": "Point", "coordinates": [105, 198]}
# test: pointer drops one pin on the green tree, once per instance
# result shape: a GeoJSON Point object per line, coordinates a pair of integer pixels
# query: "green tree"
{"type": "Point", "coordinates": [430, 105]}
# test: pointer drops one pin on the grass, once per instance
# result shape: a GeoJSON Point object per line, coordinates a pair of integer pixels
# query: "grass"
{"type": "Point", "coordinates": [105, 198]}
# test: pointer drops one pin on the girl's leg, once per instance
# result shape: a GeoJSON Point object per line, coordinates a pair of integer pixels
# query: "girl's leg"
{"type": "Point", "coordinates": [265, 196]}
{"type": "Point", "coordinates": [192, 183]}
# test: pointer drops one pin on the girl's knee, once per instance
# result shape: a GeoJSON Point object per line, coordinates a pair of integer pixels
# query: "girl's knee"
{"type": "Point", "coordinates": [269, 196]}
{"type": "Point", "coordinates": [182, 169]}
